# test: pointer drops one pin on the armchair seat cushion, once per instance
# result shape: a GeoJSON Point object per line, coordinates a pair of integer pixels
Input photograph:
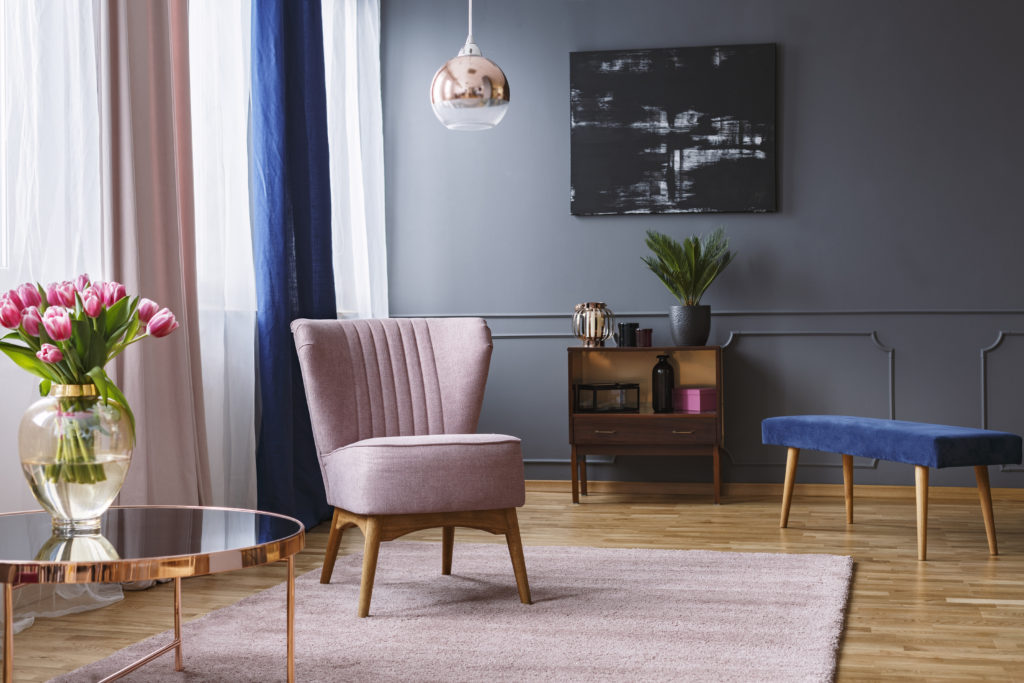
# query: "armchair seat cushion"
{"type": "Point", "coordinates": [399, 475]}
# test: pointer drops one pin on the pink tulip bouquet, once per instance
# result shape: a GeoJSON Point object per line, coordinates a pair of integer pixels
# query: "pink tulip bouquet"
{"type": "Point", "coordinates": [66, 332]}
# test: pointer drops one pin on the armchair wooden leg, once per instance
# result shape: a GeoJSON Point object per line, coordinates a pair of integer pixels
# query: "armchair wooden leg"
{"type": "Point", "coordinates": [921, 480]}
{"type": "Point", "coordinates": [848, 486]}
{"type": "Point", "coordinates": [985, 494]}
{"type": "Point", "coordinates": [447, 543]}
{"type": "Point", "coordinates": [371, 546]}
{"type": "Point", "coordinates": [792, 457]}
{"type": "Point", "coordinates": [333, 542]}
{"type": "Point", "coordinates": [515, 551]}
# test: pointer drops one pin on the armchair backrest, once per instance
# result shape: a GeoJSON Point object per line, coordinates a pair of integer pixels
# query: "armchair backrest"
{"type": "Point", "coordinates": [392, 377]}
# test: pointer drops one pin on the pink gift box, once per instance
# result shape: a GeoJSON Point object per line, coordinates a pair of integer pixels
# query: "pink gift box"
{"type": "Point", "coordinates": [694, 400]}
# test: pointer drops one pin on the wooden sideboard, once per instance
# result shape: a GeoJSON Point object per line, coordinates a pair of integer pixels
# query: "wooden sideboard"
{"type": "Point", "coordinates": [644, 432]}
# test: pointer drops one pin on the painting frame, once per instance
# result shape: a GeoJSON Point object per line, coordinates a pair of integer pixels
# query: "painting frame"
{"type": "Point", "coordinates": [673, 130]}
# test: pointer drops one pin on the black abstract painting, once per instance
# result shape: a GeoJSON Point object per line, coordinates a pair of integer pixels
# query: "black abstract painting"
{"type": "Point", "coordinates": [681, 130]}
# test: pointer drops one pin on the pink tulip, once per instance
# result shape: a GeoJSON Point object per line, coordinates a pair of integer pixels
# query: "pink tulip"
{"type": "Point", "coordinates": [30, 320]}
{"type": "Point", "coordinates": [82, 282]}
{"type": "Point", "coordinates": [29, 295]}
{"type": "Point", "coordinates": [147, 309]}
{"type": "Point", "coordinates": [10, 312]}
{"type": "Point", "coordinates": [57, 323]}
{"type": "Point", "coordinates": [48, 353]}
{"type": "Point", "coordinates": [92, 302]}
{"type": "Point", "coordinates": [15, 299]}
{"type": "Point", "coordinates": [60, 294]}
{"type": "Point", "coordinates": [162, 323]}
{"type": "Point", "coordinates": [113, 292]}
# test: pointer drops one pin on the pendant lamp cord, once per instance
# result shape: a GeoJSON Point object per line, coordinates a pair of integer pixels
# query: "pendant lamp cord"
{"type": "Point", "coordinates": [469, 38]}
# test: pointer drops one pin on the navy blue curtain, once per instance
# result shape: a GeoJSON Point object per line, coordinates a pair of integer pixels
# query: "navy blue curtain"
{"type": "Point", "coordinates": [291, 213]}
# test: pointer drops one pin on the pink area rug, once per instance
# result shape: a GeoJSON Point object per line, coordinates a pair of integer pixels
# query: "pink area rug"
{"type": "Point", "coordinates": [598, 615]}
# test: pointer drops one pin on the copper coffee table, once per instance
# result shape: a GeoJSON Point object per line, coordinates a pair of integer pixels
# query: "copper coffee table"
{"type": "Point", "coordinates": [141, 543]}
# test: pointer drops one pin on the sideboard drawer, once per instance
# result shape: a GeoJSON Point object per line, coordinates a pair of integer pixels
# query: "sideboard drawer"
{"type": "Point", "coordinates": [643, 429]}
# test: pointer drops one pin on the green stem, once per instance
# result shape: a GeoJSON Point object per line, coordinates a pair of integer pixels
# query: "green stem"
{"type": "Point", "coordinates": [116, 350]}
{"type": "Point", "coordinates": [74, 362]}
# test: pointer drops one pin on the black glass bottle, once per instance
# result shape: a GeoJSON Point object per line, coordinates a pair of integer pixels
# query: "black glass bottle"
{"type": "Point", "coordinates": [662, 381]}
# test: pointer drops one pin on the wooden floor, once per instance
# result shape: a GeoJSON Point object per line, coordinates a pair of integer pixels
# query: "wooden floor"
{"type": "Point", "coordinates": [957, 617]}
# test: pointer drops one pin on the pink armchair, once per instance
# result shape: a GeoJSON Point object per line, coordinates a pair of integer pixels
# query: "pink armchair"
{"type": "Point", "coordinates": [394, 405]}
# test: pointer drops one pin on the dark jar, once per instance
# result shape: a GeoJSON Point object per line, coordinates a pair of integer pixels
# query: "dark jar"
{"type": "Point", "coordinates": [662, 381]}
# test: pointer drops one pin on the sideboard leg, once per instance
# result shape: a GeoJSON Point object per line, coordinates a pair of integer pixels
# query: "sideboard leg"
{"type": "Point", "coordinates": [575, 477]}
{"type": "Point", "coordinates": [717, 467]}
{"type": "Point", "coordinates": [583, 474]}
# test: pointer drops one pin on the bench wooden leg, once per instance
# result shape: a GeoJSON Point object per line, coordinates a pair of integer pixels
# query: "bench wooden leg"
{"type": "Point", "coordinates": [848, 486]}
{"type": "Point", "coordinates": [787, 490]}
{"type": "Point", "coordinates": [921, 479]}
{"type": "Point", "coordinates": [985, 494]}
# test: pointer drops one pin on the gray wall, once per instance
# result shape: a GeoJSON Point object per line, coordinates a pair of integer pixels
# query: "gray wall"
{"type": "Point", "coordinates": [899, 227]}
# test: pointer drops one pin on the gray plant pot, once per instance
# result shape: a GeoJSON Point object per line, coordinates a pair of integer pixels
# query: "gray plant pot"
{"type": "Point", "coordinates": [690, 325]}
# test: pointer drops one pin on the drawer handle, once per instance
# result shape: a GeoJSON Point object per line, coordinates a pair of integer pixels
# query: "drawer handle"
{"type": "Point", "coordinates": [680, 431]}
{"type": "Point", "coordinates": [604, 431]}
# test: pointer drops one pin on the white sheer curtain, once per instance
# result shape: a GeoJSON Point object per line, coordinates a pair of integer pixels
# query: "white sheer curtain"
{"type": "Point", "coordinates": [51, 212]}
{"type": "Point", "coordinates": [219, 64]}
{"type": "Point", "coordinates": [356, 138]}
{"type": "Point", "coordinates": [219, 40]}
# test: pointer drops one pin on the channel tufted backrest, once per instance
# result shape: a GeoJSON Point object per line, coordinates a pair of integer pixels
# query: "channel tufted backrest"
{"type": "Point", "coordinates": [392, 377]}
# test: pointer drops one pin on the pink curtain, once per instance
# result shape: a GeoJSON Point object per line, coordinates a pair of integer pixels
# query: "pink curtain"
{"type": "Point", "coordinates": [149, 206]}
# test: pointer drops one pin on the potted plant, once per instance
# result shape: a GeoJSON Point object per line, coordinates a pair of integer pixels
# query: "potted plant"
{"type": "Point", "coordinates": [687, 270]}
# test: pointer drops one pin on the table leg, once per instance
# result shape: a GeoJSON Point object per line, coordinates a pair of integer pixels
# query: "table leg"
{"type": "Point", "coordinates": [291, 619]}
{"type": "Point", "coordinates": [178, 665]}
{"type": "Point", "coordinates": [8, 633]}
{"type": "Point", "coordinates": [173, 645]}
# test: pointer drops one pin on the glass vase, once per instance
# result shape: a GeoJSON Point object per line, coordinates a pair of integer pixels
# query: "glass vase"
{"type": "Point", "coordinates": [75, 451]}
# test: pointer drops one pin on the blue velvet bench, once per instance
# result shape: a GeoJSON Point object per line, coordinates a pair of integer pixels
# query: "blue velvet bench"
{"type": "Point", "coordinates": [916, 443]}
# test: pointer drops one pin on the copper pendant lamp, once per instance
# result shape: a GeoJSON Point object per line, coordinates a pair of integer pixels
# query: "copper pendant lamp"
{"type": "Point", "coordinates": [469, 92]}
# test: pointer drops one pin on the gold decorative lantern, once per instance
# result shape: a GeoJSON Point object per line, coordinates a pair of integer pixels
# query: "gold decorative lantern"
{"type": "Point", "coordinates": [592, 323]}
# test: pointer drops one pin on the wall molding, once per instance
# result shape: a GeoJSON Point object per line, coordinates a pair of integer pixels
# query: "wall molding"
{"type": "Point", "coordinates": [733, 313]}
{"type": "Point", "coordinates": [764, 313]}
{"type": "Point", "coordinates": [872, 335]}
{"type": "Point", "coordinates": [1003, 334]}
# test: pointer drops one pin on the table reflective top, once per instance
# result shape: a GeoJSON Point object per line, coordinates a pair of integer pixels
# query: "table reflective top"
{"type": "Point", "coordinates": [145, 542]}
